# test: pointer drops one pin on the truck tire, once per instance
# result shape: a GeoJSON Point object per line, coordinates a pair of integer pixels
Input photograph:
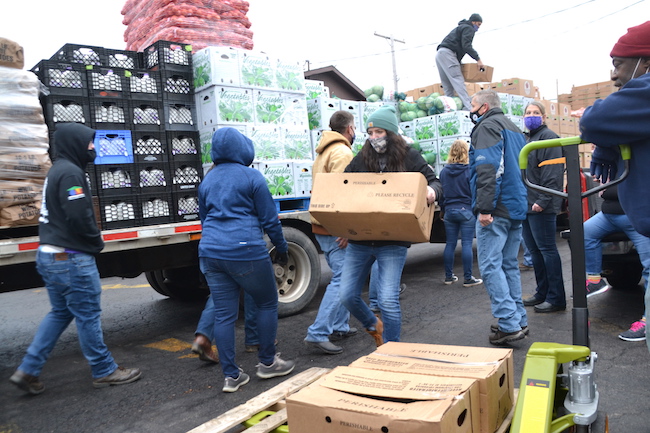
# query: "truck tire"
{"type": "Point", "coordinates": [152, 279]}
{"type": "Point", "coordinates": [185, 284]}
{"type": "Point", "coordinates": [297, 281]}
{"type": "Point", "coordinates": [623, 276]}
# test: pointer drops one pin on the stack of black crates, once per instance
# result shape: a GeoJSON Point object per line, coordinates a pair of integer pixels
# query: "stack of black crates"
{"type": "Point", "coordinates": [148, 165]}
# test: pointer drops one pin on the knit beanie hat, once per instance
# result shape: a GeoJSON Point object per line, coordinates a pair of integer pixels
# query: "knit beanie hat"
{"type": "Point", "coordinates": [384, 118]}
{"type": "Point", "coordinates": [635, 43]}
{"type": "Point", "coordinates": [476, 17]}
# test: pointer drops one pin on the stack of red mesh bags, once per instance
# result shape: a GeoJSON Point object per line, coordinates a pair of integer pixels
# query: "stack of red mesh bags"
{"type": "Point", "coordinates": [200, 23]}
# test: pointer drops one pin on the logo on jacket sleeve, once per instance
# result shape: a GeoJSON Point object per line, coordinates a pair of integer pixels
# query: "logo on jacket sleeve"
{"type": "Point", "coordinates": [75, 193]}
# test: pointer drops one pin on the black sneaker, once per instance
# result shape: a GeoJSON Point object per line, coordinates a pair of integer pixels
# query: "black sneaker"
{"type": "Point", "coordinates": [280, 367]}
{"type": "Point", "coordinates": [27, 382]}
{"type": "Point", "coordinates": [340, 335]}
{"type": "Point", "coordinates": [597, 288]}
{"type": "Point", "coordinates": [451, 280]}
{"type": "Point", "coordinates": [495, 328]}
{"type": "Point", "coordinates": [231, 384]}
{"type": "Point", "coordinates": [635, 333]}
{"type": "Point", "coordinates": [472, 282]}
{"type": "Point", "coordinates": [500, 338]}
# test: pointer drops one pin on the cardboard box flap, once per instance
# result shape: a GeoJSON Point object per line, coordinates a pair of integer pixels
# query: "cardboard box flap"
{"type": "Point", "coordinates": [465, 355]}
{"type": "Point", "coordinates": [399, 386]}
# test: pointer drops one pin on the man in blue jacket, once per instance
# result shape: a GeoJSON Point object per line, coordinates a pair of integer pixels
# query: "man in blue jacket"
{"type": "Point", "coordinates": [499, 200]}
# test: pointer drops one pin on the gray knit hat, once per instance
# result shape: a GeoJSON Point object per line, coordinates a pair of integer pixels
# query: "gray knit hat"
{"type": "Point", "coordinates": [476, 17]}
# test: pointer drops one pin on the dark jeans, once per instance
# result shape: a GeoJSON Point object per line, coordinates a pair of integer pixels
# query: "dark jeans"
{"type": "Point", "coordinates": [460, 221]}
{"type": "Point", "coordinates": [539, 235]}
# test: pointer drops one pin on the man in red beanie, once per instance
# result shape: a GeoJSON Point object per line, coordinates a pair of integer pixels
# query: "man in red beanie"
{"type": "Point", "coordinates": [623, 118]}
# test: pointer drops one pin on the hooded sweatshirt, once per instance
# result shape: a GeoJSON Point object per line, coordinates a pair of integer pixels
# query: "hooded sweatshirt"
{"type": "Point", "coordinates": [460, 39]}
{"type": "Point", "coordinates": [235, 204]}
{"type": "Point", "coordinates": [544, 169]}
{"type": "Point", "coordinates": [456, 193]}
{"type": "Point", "coordinates": [67, 217]}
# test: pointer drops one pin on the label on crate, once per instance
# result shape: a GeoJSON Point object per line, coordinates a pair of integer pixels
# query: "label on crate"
{"type": "Point", "coordinates": [279, 178]}
{"type": "Point", "coordinates": [268, 143]}
{"type": "Point", "coordinates": [290, 76]}
{"type": "Point", "coordinates": [269, 107]}
{"type": "Point", "coordinates": [224, 105]}
{"type": "Point", "coordinates": [425, 128]}
{"type": "Point", "coordinates": [297, 143]}
{"type": "Point", "coordinates": [314, 89]}
{"type": "Point", "coordinates": [454, 123]}
{"type": "Point", "coordinates": [367, 108]}
{"type": "Point", "coordinates": [257, 70]}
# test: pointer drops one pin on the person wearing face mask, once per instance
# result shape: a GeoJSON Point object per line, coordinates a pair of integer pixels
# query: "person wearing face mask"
{"type": "Point", "coordinates": [451, 51]}
{"type": "Point", "coordinates": [384, 151]}
{"type": "Point", "coordinates": [499, 201]}
{"type": "Point", "coordinates": [69, 242]}
{"type": "Point", "coordinates": [622, 118]}
{"type": "Point", "coordinates": [545, 168]}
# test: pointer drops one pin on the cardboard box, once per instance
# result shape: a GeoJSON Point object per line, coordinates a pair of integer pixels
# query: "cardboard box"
{"type": "Point", "coordinates": [473, 74]}
{"type": "Point", "coordinates": [216, 66]}
{"type": "Point", "coordinates": [515, 86]}
{"type": "Point", "coordinates": [492, 368]}
{"type": "Point", "coordinates": [217, 106]}
{"type": "Point", "coordinates": [426, 128]}
{"type": "Point", "coordinates": [11, 54]}
{"type": "Point", "coordinates": [552, 108]}
{"type": "Point", "coordinates": [349, 400]}
{"type": "Point", "coordinates": [320, 110]}
{"type": "Point", "coordinates": [553, 123]}
{"type": "Point", "coordinates": [454, 124]}
{"type": "Point", "coordinates": [373, 206]}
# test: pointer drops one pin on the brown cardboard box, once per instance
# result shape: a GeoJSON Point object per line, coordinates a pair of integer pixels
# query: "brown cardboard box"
{"type": "Point", "coordinates": [585, 160]}
{"type": "Point", "coordinates": [373, 206]}
{"type": "Point", "coordinates": [553, 123]}
{"type": "Point", "coordinates": [552, 108]}
{"type": "Point", "coordinates": [564, 110]}
{"type": "Point", "coordinates": [350, 400]}
{"type": "Point", "coordinates": [11, 54]}
{"type": "Point", "coordinates": [515, 86]}
{"type": "Point", "coordinates": [567, 127]}
{"type": "Point", "coordinates": [492, 368]}
{"type": "Point", "coordinates": [473, 74]}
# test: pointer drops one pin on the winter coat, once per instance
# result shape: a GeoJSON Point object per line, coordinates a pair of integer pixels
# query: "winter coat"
{"type": "Point", "coordinates": [460, 39]}
{"type": "Point", "coordinates": [455, 186]}
{"type": "Point", "coordinates": [547, 175]}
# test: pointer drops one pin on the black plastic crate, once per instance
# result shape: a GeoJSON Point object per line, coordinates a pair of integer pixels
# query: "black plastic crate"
{"type": "Point", "coordinates": [186, 174]}
{"type": "Point", "coordinates": [183, 143]}
{"type": "Point", "coordinates": [145, 85]}
{"type": "Point", "coordinates": [81, 54]}
{"type": "Point", "coordinates": [91, 178]}
{"type": "Point", "coordinates": [180, 116]}
{"type": "Point", "coordinates": [123, 59]}
{"type": "Point", "coordinates": [150, 146]}
{"type": "Point", "coordinates": [166, 55]}
{"type": "Point", "coordinates": [106, 82]}
{"type": "Point", "coordinates": [109, 113]}
{"type": "Point", "coordinates": [186, 205]}
{"type": "Point", "coordinates": [156, 208]}
{"type": "Point", "coordinates": [62, 78]}
{"type": "Point", "coordinates": [117, 212]}
{"type": "Point", "coordinates": [115, 179]}
{"type": "Point", "coordinates": [147, 115]}
{"type": "Point", "coordinates": [152, 177]}
{"type": "Point", "coordinates": [177, 86]}
{"type": "Point", "coordinates": [66, 109]}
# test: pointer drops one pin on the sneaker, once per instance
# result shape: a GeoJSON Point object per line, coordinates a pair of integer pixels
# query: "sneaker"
{"type": "Point", "coordinates": [340, 335]}
{"type": "Point", "coordinates": [377, 332]}
{"type": "Point", "coordinates": [495, 328]}
{"type": "Point", "coordinates": [121, 376]}
{"type": "Point", "coordinates": [280, 367]}
{"type": "Point", "coordinates": [472, 282]}
{"type": "Point", "coordinates": [27, 382]}
{"type": "Point", "coordinates": [500, 338]}
{"type": "Point", "coordinates": [451, 280]}
{"type": "Point", "coordinates": [402, 288]}
{"type": "Point", "coordinates": [325, 346]}
{"type": "Point", "coordinates": [635, 333]}
{"type": "Point", "coordinates": [597, 288]}
{"type": "Point", "coordinates": [230, 384]}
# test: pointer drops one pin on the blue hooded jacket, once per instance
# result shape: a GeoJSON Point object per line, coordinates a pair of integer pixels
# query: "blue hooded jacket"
{"type": "Point", "coordinates": [235, 204]}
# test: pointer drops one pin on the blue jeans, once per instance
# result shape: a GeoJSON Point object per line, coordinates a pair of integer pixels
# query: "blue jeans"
{"type": "Point", "coordinates": [225, 278]}
{"type": "Point", "coordinates": [528, 258]}
{"type": "Point", "coordinates": [75, 290]}
{"type": "Point", "coordinates": [358, 261]}
{"type": "Point", "coordinates": [332, 315]}
{"type": "Point", "coordinates": [206, 322]}
{"type": "Point", "coordinates": [539, 236]}
{"type": "Point", "coordinates": [497, 248]}
{"type": "Point", "coordinates": [460, 221]}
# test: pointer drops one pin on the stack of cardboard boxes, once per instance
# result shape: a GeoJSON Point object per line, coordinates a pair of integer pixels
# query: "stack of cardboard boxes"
{"type": "Point", "coordinates": [586, 95]}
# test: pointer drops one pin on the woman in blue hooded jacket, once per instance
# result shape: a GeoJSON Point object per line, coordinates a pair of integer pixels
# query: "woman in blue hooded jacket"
{"type": "Point", "coordinates": [236, 208]}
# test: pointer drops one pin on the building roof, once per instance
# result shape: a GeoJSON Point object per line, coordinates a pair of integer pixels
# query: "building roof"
{"type": "Point", "coordinates": [340, 86]}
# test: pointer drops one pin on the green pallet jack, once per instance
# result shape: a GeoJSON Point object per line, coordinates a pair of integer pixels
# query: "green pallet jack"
{"type": "Point", "coordinates": [549, 400]}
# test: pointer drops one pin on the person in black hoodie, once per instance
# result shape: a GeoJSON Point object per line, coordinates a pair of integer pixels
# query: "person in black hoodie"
{"type": "Point", "coordinates": [69, 241]}
{"type": "Point", "coordinates": [545, 168]}
{"type": "Point", "coordinates": [451, 51]}
{"type": "Point", "coordinates": [456, 208]}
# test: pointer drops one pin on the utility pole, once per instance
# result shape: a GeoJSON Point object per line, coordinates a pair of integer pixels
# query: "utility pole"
{"type": "Point", "coordinates": [392, 51]}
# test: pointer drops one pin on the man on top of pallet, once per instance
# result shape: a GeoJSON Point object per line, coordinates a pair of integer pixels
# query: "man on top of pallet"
{"type": "Point", "coordinates": [451, 51]}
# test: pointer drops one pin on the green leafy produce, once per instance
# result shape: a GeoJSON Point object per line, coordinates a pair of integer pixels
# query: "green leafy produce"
{"type": "Point", "coordinates": [257, 76]}
{"type": "Point", "coordinates": [434, 95]}
{"type": "Point", "coordinates": [268, 112]}
{"type": "Point", "coordinates": [201, 75]}
{"type": "Point", "coordinates": [459, 103]}
{"type": "Point", "coordinates": [297, 149]}
{"type": "Point", "coordinates": [378, 90]}
{"type": "Point", "coordinates": [448, 128]}
{"type": "Point", "coordinates": [517, 109]}
{"type": "Point", "coordinates": [422, 113]}
{"type": "Point", "coordinates": [426, 132]}
{"type": "Point", "coordinates": [429, 157]}
{"type": "Point", "coordinates": [235, 111]}
{"type": "Point", "coordinates": [373, 98]}
{"type": "Point", "coordinates": [444, 153]}
{"type": "Point", "coordinates": [267, 149]}
{"type": "Point", "coordinates": [279, 185]}
{"type": "Point", "coordinates": [288, 80]}
{"type": "Point", "coordinates": [314, 118]}
{"type": "Point", "coordinates": [422, 102]}
{"type": "Point", "coordinates": [403, 106]}
{"type": "Point", "coordinates": [416, 145]}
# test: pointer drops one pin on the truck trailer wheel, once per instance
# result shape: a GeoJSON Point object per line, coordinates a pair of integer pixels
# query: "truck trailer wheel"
{"type": "Point", "coordinates": [297, 281]}
{"type": "Point", "coordinates": [185, 284]}
{"type": "Point", "coordinates": [623, 276]}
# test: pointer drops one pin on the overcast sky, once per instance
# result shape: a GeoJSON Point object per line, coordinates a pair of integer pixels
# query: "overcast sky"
{"type": "Point", "coordinates": [555, 43]}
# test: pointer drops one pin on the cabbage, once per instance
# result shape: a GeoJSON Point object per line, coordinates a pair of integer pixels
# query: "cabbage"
{"type": "Point", "coordinates": [422, 102]}
{"type": "Point", "coordinates": [459, 103]}
{"type": "Point", "coordinates": [404, 117]}
{"type": "Point", "coordinates": [378, 90]}
{"type": "Point", "coordinates": [403, 107]}
{"type": "Point", "coordinates": [367, 92]}
{"type": "Point", "coordinates": [421, 113]}
{"type": "Point", "coordinates": [413, 106]}
{"type": "Point", "coordinates": [412, 115]}
{"type": "Point", "coordinates": [430, 101]}
{"type": "Point", "coordinates": [373, 98]}
{"type": "Point", "coordinates": [434, 95]}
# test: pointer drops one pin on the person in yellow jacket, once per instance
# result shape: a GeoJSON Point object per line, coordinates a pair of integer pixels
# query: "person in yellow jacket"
{"type": "Point", "coordinates": [334, 153]}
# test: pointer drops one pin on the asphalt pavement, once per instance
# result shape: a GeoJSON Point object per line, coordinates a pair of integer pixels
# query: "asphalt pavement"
{"type": "Point", "coordinates": [178, 392]}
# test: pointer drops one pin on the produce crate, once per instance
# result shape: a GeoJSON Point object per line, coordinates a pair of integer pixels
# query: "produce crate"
{"type": "Point", "coordinates": [63, 109]}
{"type": "Point", "coordinates": [62, 78]}
{"type": "Point", "coordinates": [147, 115]}
{"type": "Point", "coordinates": [186, 205]}
{"type": "Point", "coordinates": [113, 147]}
{"type": "Point", "coordinates": [177, 86]}
{"type": "Point", "coordinates": [107, 82]}
{"type": "Point", "coordinates": [145, 85]}
{"type": "Point", "coordinates": [156, 208]}
{"type": "Point", "coordinates": [109, 113]}
{"type": "Point", "coordinates": [166, 55]}
{"type": "Point", "coordinates": [82, 54]}
{"type": "Point", "coordinates": [186, 174]}
{"type": "Point", "coordinates": [115, 179]}
{"type": "Point", "coordinates": [291, 204]}
{"type": "Point", "coordinates": [179, 116]}
{"type": "Point", "coordinates": [117, 212]}
{"type": "Point", "coordinates": [152, 177]}
{"type": "Point", "coordinates": [150, 146]}
{"type": "Point", "coordinates": [183, 143]}
{"type": "Point", "coordinates": [123, 59]}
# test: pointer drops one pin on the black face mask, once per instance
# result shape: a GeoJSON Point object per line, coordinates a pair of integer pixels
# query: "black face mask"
{"type": "Point", "coordinates": [92, 154]}
{"type": "Point", "coordinates": [474, 116]}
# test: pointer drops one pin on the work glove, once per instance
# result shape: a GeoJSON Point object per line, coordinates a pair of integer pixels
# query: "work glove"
{"type": "Point", "coordinates": [603, 164]}
{"type": "Point", "coordinates": [281, 258]}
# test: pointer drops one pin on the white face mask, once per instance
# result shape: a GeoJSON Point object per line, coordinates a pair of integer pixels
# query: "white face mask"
{"type": "Point", "coordinates": [637, 67]}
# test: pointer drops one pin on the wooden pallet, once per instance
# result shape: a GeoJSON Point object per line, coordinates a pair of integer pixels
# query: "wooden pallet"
{"type": "Point", "coordinates": [265, 400]}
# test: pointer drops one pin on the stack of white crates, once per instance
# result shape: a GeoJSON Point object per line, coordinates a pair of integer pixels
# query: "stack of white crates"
{"type": "Point", "coordinates": [265, 99]}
